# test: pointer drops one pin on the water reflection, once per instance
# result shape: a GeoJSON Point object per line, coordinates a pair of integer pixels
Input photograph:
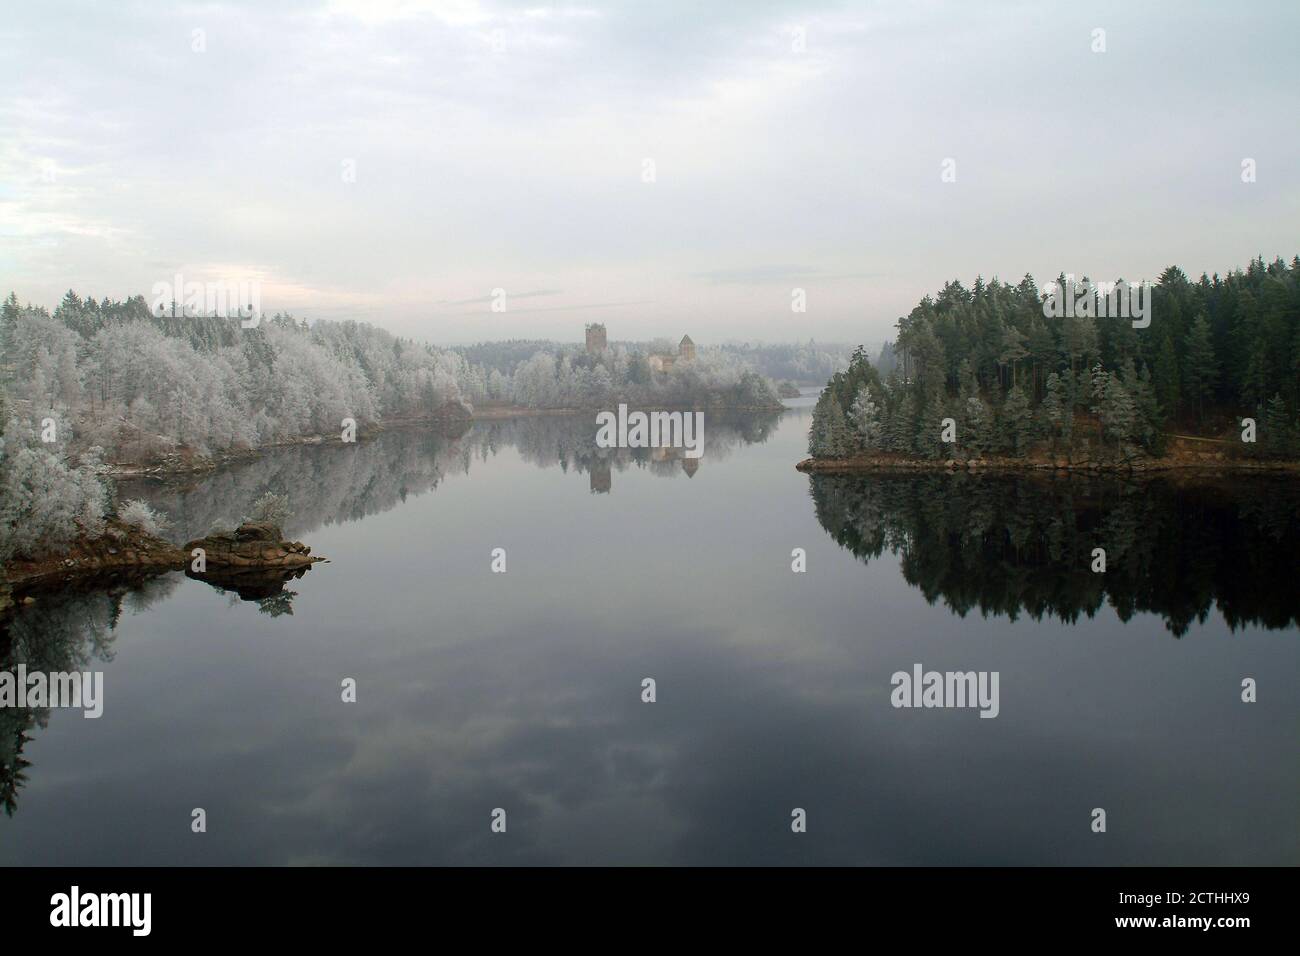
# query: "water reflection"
{"type": "Point", "coordinates": [328, 484]}
{"type": "Point", "coordinates": [524, 691]}
{"type": "Point", "coordinates": [263, 586]}
{"type": "Point", "coordinates": [1026, 544]}
{"type": "Point", "coordinates": [61, 633]}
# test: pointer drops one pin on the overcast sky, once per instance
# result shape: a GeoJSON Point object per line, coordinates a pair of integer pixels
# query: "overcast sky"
{"type": "Point", "coordinates": [504, 145]}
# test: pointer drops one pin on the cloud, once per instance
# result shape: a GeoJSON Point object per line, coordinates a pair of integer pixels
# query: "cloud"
{"type": "Point", "coordinates": [565, 308]}
{"type": "Point", "coordinates": [490, 298]}
{"type": "Point", "coordinates": [759, 275]}
{"type": "Point", "coordinates": [496, 138]}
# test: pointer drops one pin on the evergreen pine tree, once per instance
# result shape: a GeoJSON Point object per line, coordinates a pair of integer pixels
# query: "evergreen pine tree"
{"type": "Point", "coordinates": [839, 440]}
{"type": "Point", "coordinates": [1150, 424]}
{"type": "Point", "coordinates": [1118, 412]}
{"type": "Point", "coordinates": [1278, 432]}
{"type": "Point", "coordinates": [976, 425]}
{"type": "Point", "coordinates": [1254, 382]}
{"type": "Point", "coordinates": [1201, 367]}
{"type": "Point", "coordinates": [1166, 376]}
{"type": "Point", "coordinates": [902, 422]}
{"type": "Point", "coordinates": [818, 439]}
{"type": "Point", "coordinates": [928, 429]}
{"type": "Point", "coordinates": [1015, 423]}
{"type": "Point", "coordinates": [1055, 410]}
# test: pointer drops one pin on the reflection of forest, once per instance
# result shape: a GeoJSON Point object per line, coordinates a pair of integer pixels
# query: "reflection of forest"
{"type": "Point", "coordinates": [1007, 545]}
{"type": "Point", "coordinates": [332, 483]}
{"type": "Point", "coordinates": [68, 632]}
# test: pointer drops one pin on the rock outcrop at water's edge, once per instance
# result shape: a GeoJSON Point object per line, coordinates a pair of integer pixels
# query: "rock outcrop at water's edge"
{"type": "Point", "coordinates": [253, 546]}
{"type": "Point", "coordinates": [252, 551]}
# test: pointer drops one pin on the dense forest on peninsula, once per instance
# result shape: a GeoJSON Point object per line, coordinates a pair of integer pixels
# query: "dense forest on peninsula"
{"type": "Point", "coordinates": [1018, 383]}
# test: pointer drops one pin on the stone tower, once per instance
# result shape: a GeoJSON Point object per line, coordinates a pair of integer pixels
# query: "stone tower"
{"type": "Point", "coordinates": [686, 350]}
{"type": "Point", "coordinates": [595, 338]}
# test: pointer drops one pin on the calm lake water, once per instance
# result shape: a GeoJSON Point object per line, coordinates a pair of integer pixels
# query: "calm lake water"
{"type": "Point", "coordinates": [522, 690]}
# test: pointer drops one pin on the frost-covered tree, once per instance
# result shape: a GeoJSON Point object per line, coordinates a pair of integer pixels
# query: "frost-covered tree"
{"type": "Point", "coordinates": [271, 508]}
{"type": "Point", "coordinates": [138, 513]}
{"type": "Point", "coordinates": [46, 501]}
{"type": "Point", "coordinates": [865, 415]}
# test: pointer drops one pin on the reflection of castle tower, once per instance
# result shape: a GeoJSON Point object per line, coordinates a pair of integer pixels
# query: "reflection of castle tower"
{"type": "Point", "coordinates": [690, 466]}
{"type": "Point", "coordinates": [686, 350]}
{"type": "Point", "coordinates": [601, 477]}
{"type": "Point", "coordinates": [595, 338]}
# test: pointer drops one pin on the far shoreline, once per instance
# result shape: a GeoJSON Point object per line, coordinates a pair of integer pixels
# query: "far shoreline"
{"type": "Point", "coordinates": [179, 465]}
{"type": "Point", "coordinates": [1138, 468]}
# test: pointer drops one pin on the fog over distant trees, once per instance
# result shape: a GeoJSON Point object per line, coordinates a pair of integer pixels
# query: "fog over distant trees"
{"type": "Point", "coordinates": [808, 362]}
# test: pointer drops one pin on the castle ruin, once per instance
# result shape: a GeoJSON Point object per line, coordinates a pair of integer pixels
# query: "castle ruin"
{"type": "Point", "coordinates": [595, 338]}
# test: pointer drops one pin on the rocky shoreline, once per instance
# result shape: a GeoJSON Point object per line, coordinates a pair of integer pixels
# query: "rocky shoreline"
{"type": "Point", "coordinates": [1141, 466]}
{"type": "Point", "coordinates": [253, 555]}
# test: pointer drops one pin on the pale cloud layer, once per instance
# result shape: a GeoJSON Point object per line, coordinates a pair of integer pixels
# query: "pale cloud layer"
{"type": "Point", "coordinates": [502, 145]}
